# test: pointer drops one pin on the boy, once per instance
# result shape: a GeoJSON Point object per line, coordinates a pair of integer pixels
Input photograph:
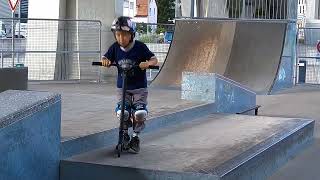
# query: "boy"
{"type": "Point", "coordinates": [126, 47]}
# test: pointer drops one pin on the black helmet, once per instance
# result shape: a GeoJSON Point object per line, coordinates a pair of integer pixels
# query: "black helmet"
{"type": "Point", "coordinates": [123, 23]}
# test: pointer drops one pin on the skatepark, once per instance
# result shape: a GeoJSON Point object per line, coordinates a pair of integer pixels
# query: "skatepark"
{"type": "Point", "coordinates": [225, 104]}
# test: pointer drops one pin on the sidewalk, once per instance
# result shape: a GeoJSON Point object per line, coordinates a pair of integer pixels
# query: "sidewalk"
{"type": "Point", "coordinates": [301, 101]}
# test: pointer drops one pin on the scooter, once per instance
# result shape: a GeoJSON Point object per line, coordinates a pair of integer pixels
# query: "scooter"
{"type": "Point", "coordinates": [126, 67]}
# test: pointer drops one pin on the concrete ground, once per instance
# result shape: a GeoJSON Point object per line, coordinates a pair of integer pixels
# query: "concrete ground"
{"type": "Point", "coordinates": [88, 108]}
{"type": "Point", "coordinates": [300, 101]}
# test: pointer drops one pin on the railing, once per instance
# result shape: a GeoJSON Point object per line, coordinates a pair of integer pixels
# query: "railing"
{"type": "Point", "coordinates": [245, 9]}
{"type": "Point", "coordinates": [308, 56]}
{"type": "Point", "coordinates": [53, 49]}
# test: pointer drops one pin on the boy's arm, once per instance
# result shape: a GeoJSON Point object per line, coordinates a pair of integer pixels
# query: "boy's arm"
{"type": "Point", "coordinates": [153, 61]}
{"type": "Point", "coordinates": [149, 58]}
{"type": "Point", "coordinates": [105, 61]}
{"type": "Point", "coordinates": [107, 58]}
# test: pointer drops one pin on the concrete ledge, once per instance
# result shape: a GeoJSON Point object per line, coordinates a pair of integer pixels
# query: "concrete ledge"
{"type": "Point", "coordinates": [263, 160]}
{"type": "Point", "coordinates": [13, 78]}
{"type": "Point", "coordinates": [109, 137]}
{"type": "Point", "coordinates": [212, 147]}
{"type": "Point", "coordinates": [29, 135]}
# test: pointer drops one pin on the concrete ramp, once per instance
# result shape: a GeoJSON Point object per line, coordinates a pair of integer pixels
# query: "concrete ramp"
{"type": "Point", "coordinates": [248, 52]}
{"type": "Point", "coordinates": [256, 54]}
{"type": "Point", "coordinates": [197, 47]}
{"type": "Point", "coordinates": [211, 148]}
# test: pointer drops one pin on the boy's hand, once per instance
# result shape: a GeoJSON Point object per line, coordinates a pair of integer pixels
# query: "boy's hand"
{"type": "Point", "coordinates": [106, 62]}
{"type": "Point", "coordinates": [144, 65]}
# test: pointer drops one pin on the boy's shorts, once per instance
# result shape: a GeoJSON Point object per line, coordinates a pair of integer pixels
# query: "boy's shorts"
{"type": "Point", "coordinates": [134, 98]}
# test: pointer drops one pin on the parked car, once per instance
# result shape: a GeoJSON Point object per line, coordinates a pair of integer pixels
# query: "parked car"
{"type": "Point", "coordinates": [19, 32]}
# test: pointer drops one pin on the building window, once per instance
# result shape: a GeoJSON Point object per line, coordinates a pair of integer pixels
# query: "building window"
{"type": "Point", "coordinates": [131, 5]}
{"type": "Point", "coordinates": [126, 4]}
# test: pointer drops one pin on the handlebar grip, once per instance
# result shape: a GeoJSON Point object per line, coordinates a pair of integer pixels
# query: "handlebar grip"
{"type": "Point", "coordinates": [96, 63]}
{"type": "Point", "coordinates": [153, 67]}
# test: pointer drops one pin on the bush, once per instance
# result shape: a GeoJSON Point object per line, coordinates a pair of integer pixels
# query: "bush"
{"type": "Point", "coordinates": [150, 38]}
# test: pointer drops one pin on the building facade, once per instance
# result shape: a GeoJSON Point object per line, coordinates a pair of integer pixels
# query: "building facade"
{"type": "Point", "coordinates": [142, 11]}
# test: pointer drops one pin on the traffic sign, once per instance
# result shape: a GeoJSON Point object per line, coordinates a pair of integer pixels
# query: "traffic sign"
{"type": "Point", "coordinates": [13, 4]}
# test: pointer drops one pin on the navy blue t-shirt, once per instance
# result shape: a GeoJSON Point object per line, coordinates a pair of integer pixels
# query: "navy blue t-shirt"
{"type": "Point", "coordinates": [138, 53]}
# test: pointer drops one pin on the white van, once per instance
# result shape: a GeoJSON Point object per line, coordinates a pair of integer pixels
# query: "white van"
{"type": "Point", "coordinates": [23, 30]}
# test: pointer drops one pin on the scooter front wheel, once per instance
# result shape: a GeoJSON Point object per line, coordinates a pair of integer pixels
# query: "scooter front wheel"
{"type": "Point", "coordinates": [119, 149]}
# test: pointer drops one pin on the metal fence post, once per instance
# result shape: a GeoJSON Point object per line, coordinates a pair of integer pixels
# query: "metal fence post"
{"type": "Point", "coordinates": [13, 34]}
{"type": "Point", "coordinates": [1, 59]}
{"type": "Point", "coordinates": [100, 49]}
{"type": "Point", "coordinates": [192, 9]}
{"type": "Point", "coordinates": [297, 58]}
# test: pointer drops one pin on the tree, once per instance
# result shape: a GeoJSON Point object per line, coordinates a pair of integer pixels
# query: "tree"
{"type": "Point", "coordinates": [166, 10]}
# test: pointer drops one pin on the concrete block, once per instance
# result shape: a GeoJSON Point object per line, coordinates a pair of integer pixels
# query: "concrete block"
{"type": "Point", "coordinates": [227, 95]}
{"type": "Point", "coordinates": [13, 78]}
{"type": "Point", "coordinates": [30, 135]}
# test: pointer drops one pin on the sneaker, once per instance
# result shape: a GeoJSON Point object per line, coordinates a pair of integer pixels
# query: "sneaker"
{"type": "Point", "coordinates": [126, 141]}
{"type": "Point", "coordinates": [135, 144]}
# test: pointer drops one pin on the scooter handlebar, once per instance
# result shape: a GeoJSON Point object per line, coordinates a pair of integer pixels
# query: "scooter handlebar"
{"type": "Point", "coordinates": [153, 67]}
{"type": "Point", "coordinates": [100, 64]}
{"type": "Point", "coordinates": [96, 63]}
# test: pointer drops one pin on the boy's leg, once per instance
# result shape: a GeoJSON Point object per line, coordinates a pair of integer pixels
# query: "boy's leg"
{"type": "Point", "coordinates": [139, 111]}
{"type": "Point", "coordinates": [139, 108]}
{"type": "Point", "coordinates": [128, 102]}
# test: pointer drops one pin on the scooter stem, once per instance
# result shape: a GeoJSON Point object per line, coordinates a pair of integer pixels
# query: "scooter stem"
{"type": "Point", "coordinates": [124, 89]}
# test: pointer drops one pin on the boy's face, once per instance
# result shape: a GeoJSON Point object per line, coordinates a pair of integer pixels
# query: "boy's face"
{"type": "Point", "coordinates": [123, 38]}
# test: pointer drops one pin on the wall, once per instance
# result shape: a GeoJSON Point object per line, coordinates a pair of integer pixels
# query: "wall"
{"type": "Point", "coordinates": [30, 135]}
